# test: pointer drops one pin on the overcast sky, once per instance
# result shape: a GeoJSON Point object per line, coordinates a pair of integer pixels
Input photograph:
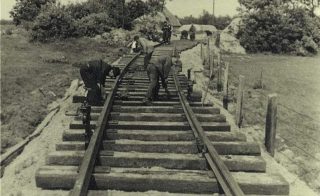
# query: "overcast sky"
{"type": "Point", "coordinates": [177, 7]}
{"type": "Point", "coordinates": [195, 7]}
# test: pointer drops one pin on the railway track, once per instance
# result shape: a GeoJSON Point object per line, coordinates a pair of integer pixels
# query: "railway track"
{"type": "Point", "coordinates": [174, 146]}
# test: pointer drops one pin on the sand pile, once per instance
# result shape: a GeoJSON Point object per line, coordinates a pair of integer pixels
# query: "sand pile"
{"type": "Point", "coordinates": [228, 41]}
{"type": "Point", "coordinates": [149, 21]}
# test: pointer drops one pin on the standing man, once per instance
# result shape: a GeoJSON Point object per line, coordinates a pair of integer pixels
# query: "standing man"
{"type": "Point", "coordinates": [192, 31]}
{"type": "Point", "coordinates": [167, 31]}
{"type": "Point", "coordinates": [170, 31]}
{"type": "Point", "coordinates": [159, 68]}
{"type": "Point", "coordinates": [93, 74]}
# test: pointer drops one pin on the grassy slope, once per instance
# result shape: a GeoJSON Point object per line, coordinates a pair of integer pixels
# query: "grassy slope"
{"type": "Point", "coordinates": [296, 80]}
{"type": "Point", "coordinates": [26, 68]}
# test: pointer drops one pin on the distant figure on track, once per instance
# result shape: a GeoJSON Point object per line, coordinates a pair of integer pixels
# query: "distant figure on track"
{"type": "Point", "coordinates": [192, 32]}
{"type": "Point", "coordinates": [159, 68]}
{"type": "Point", "coordinates": [93, 74]}
{"type": "Point", "coordinates": [167, 31]}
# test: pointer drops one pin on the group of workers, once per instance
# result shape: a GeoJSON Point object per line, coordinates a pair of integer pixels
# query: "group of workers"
{"type": "Point", "coordinates": [94, 73]}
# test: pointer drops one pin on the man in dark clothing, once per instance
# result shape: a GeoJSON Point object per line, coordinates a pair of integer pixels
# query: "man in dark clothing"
{"type": "Point", "coordinates": [166, 32]}
{"type": "Point", "coordinates": [158, 68]}
{"type": "Point", "coordinates": [192, 31]}
{"type": "Point", "coordinates": [93, 74]}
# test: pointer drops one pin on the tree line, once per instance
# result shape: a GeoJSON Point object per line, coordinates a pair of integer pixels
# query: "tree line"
{"type": "Point", "coordinates": [220, 22]}
{"type": "Point", "coordinates": [48, 20]}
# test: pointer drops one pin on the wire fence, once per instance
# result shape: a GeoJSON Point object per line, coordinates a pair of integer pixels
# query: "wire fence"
{"type": "Point", "coordinates": [292, 142]}
{"type": "Point", "coordinates": [294, 127]}
{"type": "Point", "coordinates": [303, 126]}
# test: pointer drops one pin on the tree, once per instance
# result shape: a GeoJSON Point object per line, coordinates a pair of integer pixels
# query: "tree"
{"type": "Point", "coordinates": [311, 5]}
{"type": "Point", "coordinates": [279, 27]}
{"type": "Point", "coordinates": [137, 8]}
{"type": "Point", "coordinates": [27, 10]}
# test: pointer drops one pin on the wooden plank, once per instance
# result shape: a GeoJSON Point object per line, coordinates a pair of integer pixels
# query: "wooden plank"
{"type": "Point", "coordinates": [84, 177]}
{"type": "Point", "coordinates": [223, 148]}
{"type": "Point", "coordinates": [154, 135]}
{"type": "Point", "coordinates": [271, 124]}
{"type": "Point", "coordinates": [227, 182]}
{"type": "Point", "coordinates": [169, 180]}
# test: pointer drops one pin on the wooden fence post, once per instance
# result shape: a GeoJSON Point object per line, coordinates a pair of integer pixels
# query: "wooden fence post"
{"type": "Point", "coordinates": [225, 87]}
{"type": "Point", "coordinates": [260, 82]}
{"type": "Point", "coordinates": [239, 112]}
{"type": "Point", "coordinates": [201, 52]}
{"type": "Point", "coordinates": [271, 124]}
{"type": "Point", "coordinates": [211, 62]}
{"type": "Point", "coordinates": [219, 68]}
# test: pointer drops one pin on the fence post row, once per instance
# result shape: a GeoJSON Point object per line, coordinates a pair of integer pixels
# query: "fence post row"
{"type": "Point", "coordinates": [239, 107]}
{"type": "Point", "coordinates": [271, 124]}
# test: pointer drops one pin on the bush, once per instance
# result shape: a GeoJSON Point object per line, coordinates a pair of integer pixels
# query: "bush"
{"type": "Point", "coordinates": [80, 10]}
{"type": "Point", "coordinates": [53, 23]}
{"type": "Point", "coordinates": [309, 44]}
{"type": "Point", "coordinates": [94, 24]}
{"type": "Point", "coordinates": [137, 8]}
{"type": "Point", "coordinates": [117, 37]}
{"type": "Point", "coordinates": [85, 19]}
{"type": "Point", "coordinates": [279, 28]}
{"type": "Point", "coordinates": [28, 10]}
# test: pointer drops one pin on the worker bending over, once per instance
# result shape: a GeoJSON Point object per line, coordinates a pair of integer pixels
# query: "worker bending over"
{"type": "Point", "coordinates": [93, 74]}
{"type": "Point", "coordinates": [144, 46]}
{"type": "Point", "coordinates": [159, 68]}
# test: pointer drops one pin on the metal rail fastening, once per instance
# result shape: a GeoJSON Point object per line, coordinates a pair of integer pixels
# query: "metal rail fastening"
{"type": "Point", "coordinates": [222, 173]}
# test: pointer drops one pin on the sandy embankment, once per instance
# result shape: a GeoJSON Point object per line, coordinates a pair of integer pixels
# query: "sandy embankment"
{"type": "Point", "coordinates": [19, 176]}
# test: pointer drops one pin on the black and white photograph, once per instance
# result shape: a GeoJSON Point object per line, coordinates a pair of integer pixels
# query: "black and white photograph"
{"type": "Point", "coordinates": [160, 97]}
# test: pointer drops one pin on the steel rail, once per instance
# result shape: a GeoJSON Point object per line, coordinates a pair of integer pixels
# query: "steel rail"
{"type": "Point", "coordinates": [82, 182]}
{"type": "Point", "coordinates": [222, 173]}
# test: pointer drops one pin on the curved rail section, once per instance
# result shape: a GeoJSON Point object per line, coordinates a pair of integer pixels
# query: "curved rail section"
{"type": "Point", "coordinates": [223, 175]}
{"type": "Point", "coordinates": [84, 176]}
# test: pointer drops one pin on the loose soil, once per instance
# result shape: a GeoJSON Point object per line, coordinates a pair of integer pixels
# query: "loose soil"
{"type": "Point", "coordinates": [33, 75]}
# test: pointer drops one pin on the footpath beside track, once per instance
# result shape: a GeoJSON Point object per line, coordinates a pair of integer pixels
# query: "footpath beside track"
{"type": "Point", "coordinates": [169, 147]}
